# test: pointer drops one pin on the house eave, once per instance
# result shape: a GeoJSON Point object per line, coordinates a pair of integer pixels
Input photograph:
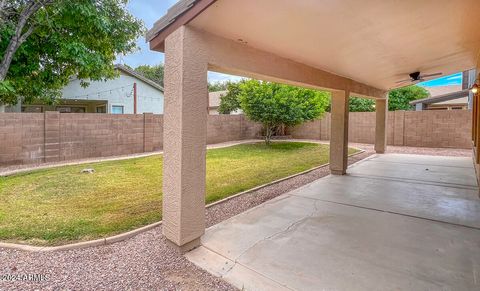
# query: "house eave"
{"type": "Point", "coordinates": [138, 76]}
{"type": "Point", "coordinates": [180, 14]}
{"type": "Point", "coordinates": [441, 98]}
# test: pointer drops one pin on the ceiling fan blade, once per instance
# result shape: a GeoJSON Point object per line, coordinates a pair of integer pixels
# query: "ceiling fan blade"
{"type": "Point", "coordinates": [430, 75]}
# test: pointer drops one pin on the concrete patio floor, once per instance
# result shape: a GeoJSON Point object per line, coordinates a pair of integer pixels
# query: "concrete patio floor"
{"type": "Point", "coordinates": [395, 222]}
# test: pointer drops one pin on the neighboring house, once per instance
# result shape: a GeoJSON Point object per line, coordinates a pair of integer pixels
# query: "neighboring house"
{"type": "Point", "coordinates": [450, 97]}
{"type": "Point", "coordinates": [128, 94]}
{"type": "Point", "coordinates": [214, 103]}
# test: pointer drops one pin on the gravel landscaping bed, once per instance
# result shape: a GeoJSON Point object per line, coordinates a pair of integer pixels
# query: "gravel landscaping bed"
{"type": "Point", "coordinates": [145, 262]}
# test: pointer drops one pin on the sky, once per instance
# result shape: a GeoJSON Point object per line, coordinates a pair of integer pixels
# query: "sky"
{"type": "Point", "coordinates": [455, 79]}
{"type": "Point", "coordinates": [152, 10]}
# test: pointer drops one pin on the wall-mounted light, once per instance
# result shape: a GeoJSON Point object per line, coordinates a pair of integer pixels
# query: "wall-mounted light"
{"type": "Point", "coordinates": [474, 88]}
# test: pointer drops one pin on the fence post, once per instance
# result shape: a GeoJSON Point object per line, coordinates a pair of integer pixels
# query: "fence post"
{"type": "Point", "coordinates": [148, 132]}
{"type": "Point", "coordinates": [325, 127]}
{"type": "Point", "coordinates": [399, 128]}
{"type": "Point", "coordinates": [51, 151]}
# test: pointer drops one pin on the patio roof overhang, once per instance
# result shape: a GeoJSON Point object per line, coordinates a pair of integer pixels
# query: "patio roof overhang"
{"type": "Point", "coordinates": [375, 43]}
{"type": "Point", "coordinates": [348, 47]}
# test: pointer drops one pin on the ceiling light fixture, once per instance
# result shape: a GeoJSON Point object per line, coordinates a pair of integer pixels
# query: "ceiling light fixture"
{"type": "Point", "coordinates": [474, 88]}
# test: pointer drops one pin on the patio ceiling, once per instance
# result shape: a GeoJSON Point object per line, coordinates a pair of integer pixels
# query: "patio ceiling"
{"type": "Point", "coordinates": [375, 42]}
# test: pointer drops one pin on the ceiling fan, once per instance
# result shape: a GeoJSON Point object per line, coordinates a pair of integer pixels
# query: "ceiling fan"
{"type": "Point", "coordinates": [416, 77]}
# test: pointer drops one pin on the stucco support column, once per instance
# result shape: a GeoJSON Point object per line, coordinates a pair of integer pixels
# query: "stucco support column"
{"type": "Point", "coordinates": [339, 133]}
{"type": "Point", "coordinates": [381, 109]}
{"type": "Point", "coordinates": [184, 143]}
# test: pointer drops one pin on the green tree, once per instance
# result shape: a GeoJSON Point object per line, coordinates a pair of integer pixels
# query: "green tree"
{"type": "Point", "coordinates": [154, 73]}
{"type": "Point", "coordinates": [274, 104]}
{"type": "Point", "coordinates": [399, 99]}
{"type": "Point", "coordinates": [361, 104]}
{"type": "Point", "coordinates": [356, 104]}
{"type": "Point", "coordinates": [45, 43]}
{"type": "Point", "coordinates": [217, 86]}
{"type": "Point", "coordinates": [230, 101]}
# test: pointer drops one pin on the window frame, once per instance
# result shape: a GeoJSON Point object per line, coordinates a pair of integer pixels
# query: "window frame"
{"type": "Point", "coordinates": [71, 106]}
{"type": "Point", "coordinates": [101, 106]}
{"type": "Point", "coordinates": [117, 105]}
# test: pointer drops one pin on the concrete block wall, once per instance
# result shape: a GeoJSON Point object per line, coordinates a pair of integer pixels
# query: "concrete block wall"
{"type": "Point", "coordinates": [446, 129]}
{"type": "Point", "coordinates": [316, 129]}
{"type": "Point", "coordinates": [325, 127]}
{"type": "Point", "coordinates": [28, 138]}
{"type": "Point", "coordinates": [22, 138]}
{"type": "Point", "coordinates": [157, 132]}
{"type": "Point", "coordinates": [148, 132]}
{"type": "Point", "coordinates": [361, 127]}
{"type": "Point", "coordinates": [396, 128]}
{"type": "Point", "coordinates": [442, 128]}
{"type": "Point", "coordinates": [223, 128]}
{"type": "Point", "coordinates": [249, 129]}
{"type": "Point", "coordinates": [87, 135]}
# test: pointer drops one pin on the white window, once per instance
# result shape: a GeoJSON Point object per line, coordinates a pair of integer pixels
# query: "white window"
{"type": "Point", "coordinates": [117, 109]}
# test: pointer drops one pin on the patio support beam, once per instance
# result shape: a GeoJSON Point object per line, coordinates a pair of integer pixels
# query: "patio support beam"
{"type": "Point", "coordinates": [381, 108]}
{"type": "Point", "coordinates": [237, 58]}
{"type": "Point", "coordinates": [185, 132]}
{"type": "Point", "coordinates": [339, 133]}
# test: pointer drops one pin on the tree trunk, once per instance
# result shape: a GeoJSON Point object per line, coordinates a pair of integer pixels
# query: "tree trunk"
{"type": "Point", "coordinates": [268, 134]}
{"type": "Point", "coordinates": [281, 130]}
{"type": "Point", "coordinates": [18, 38]}
{"type": "Point", "coordinates": [8, 56]}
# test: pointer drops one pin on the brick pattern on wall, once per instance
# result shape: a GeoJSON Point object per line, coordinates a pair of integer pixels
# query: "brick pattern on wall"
{"type": "Point", "coordinates": [148, 132]}
{"type": "Point", "coordinates": [28, 138]}
{"type": "Point", "coordinates": [316, 129]}
{"type": "Point", "coordinates": [157, 132]}
{"type": "Point", "coordinates": [52, 137]}
{"type": "Point", "coordinates": [325, 127]}
{"type": "Point", "coordinates": [442, 128]}
{"type": "Point", "coordinates": [22, 138]}
{"type": "Point", "coordinates": [361, 126]}
{"type": "Point", "coordinates": [397, 128]}
{"type": "Point", "coordinates": [448, 129]}
{"type": "Point", "coordinates": [222, 128]}
{"type": "Point", "coordinates": [87, 135]}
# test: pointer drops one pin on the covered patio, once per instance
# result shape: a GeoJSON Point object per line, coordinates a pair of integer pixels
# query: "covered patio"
{"type": "Point", "coordinates": [396, 222]}
{"type": "Point", "coordinates": [397, 211]}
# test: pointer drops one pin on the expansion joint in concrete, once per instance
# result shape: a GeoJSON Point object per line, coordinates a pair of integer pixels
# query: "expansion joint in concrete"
{"type": "Point", "coordinates": [389, 212]}
{"type": "Point", "coordinates": [286, 230]}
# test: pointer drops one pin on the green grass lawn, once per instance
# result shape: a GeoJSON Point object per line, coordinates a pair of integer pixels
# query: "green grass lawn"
{"type": "Point", "coordinates": [60, 205]}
